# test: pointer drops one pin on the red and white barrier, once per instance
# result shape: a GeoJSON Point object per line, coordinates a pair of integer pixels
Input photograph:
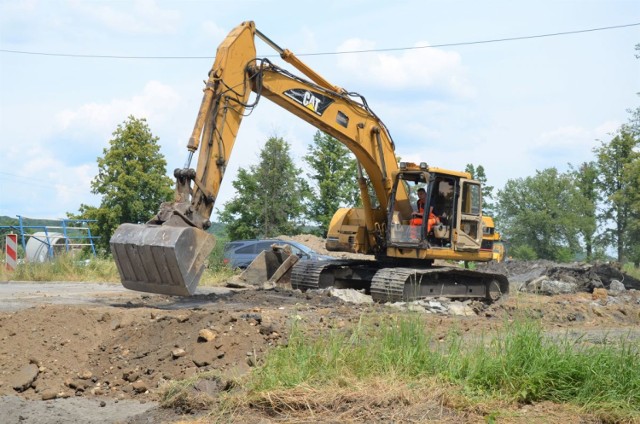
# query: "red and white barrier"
{"type": "Point", "coordinates": [12, 252]}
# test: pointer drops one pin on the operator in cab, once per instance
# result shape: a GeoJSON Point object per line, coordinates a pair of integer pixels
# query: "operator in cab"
{"type": "Point", "coordinates": [416, 217]}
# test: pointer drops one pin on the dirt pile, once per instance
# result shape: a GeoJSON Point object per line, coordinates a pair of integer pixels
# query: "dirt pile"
{"type": "Point", "coordinates": [132, 349]}
{"type": "Point", "coordinates": [552, 278]}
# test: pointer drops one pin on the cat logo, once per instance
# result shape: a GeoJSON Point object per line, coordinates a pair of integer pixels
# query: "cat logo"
{"type": "Point", "coordinates": [315, 102]}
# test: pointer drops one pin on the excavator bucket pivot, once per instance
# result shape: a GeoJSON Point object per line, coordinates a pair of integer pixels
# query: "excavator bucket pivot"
{"type": "Point", "coordinates": [161, 259]}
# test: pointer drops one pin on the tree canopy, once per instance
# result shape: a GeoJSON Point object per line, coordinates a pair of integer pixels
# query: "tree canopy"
{"type": "Point", "coordinates": [617, 160]}
{"type": "Point", "coordinates": [131, 179]}
{"type": "Point", "coordinates": [270, 197]}
{"type": "Point", "coordinates": [542, 213]}
{"type": "Point", "coordinates": [334, 175]}
{"type": "Point", "coordinates": [478, 173]}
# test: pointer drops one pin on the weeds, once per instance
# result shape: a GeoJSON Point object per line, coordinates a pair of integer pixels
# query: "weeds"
{"type": "Point", "coordinates": [68, 268]}
{"type": "Point", "coordinates": [64, 268]}
{"type": "Point", "coordinates": [518, 363]}
{"type": "Point", "coordinates": [632, 270]}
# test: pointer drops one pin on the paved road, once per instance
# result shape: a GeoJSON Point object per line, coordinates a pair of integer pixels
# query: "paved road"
{"type": "Point", "coordinates": [15, 295]}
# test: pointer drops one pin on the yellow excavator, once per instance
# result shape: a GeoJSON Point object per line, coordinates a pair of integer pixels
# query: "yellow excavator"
{"type": "Point", "coordinates": [492, 240]}
{"type": "Point", "coordinates": [167, 255]}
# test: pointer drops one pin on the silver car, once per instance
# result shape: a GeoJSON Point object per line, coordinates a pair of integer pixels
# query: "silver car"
{"type": "Point", "coordinates": [240, 253]}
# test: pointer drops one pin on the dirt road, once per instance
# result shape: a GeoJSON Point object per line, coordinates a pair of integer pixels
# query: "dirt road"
{"type": "Point", "coordinates": [97, 353]}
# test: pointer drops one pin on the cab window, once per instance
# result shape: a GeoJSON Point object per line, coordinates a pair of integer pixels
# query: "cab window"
{"type": "Point", "coordinates": [471, 199]}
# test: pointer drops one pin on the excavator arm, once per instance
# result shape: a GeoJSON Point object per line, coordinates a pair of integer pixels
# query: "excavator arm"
{"type": "Point", "coordinates": [167, 254]}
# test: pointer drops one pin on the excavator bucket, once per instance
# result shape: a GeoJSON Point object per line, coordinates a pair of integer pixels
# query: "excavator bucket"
{"type": "Point", "coordinates": [161, 259]}
{"type": "Point", "coordinates": [271, 266]}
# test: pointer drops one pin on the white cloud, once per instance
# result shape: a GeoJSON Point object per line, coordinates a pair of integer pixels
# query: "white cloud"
{"type": "Point", "coordinates": [138, 17]}
{"type": "Point", "coordinates": [213, 31]}
{"type": "Point", "coordinates": [19, 6]}
{"type": "Point", "coordinates": [425, 68]}
{"type": "Point", "coordinates": [44, 186]}
{"type": "Point", "coordinates": [156, 101]}
{"type": "Point", "coordinates": [573, 137]}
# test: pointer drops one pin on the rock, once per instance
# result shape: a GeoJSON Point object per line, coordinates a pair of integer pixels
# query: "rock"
{"type": "Point", "coordinates": [414, 307]}
{"type": "Point", "coordinates": [616, 287]}
{"type": "Point", "coordinates": [48, 394]}
{"type": "Point", "coordinates": [206, 335]}
{"type": "Point", "coordinates": [268, 285]}
{"type": "Point", "coordinates": [85, 375]}
{"type": "Point", "coordinates": [140, 386]}
{"type": "Point", "coordinates": [36, 361]}
{"type": "Point", "coordinates": [436, 306]}
{"type": "Point", "coordinates": [351, 296]}
{"type": "Point", "coordinates": [209, 386]}
{"type": "Point", "coordinates": [457, 308]}
{"type": "Point", "coordinates": [599, 294]}
{"type": "Point", "coordinates": [130, 376]}
{"type": "Point", "coordinates": [97, 391]}
{"type": "Point", "coordinates": [543, 285]}
{"type": "Point", "coordinates": [203, 355]}
{"type": "Point", "coordinates": [178, 353]}
{"type": "Point", "coordinates": [252, 317]}
{"type": "Point", "coordinates": [23, 379]}
{"type": "Point", "coordinates": [266, 330]}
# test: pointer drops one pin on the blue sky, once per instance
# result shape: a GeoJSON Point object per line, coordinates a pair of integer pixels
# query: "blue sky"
{"type": "Point", "coordinates": [513, 107]}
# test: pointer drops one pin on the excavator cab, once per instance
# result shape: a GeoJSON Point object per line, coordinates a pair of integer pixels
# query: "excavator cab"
{"type": "Point", "coordinates": [450, 223]}
{"type": "Point", "coordinates": [429, 224]}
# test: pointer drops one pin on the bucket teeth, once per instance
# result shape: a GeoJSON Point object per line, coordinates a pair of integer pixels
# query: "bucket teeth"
{"type": "Point", "coordinates": [161, 259]}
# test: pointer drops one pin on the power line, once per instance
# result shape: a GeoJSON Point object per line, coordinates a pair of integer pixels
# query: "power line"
{"type": "Point", "coordinates": [463, 43]}
{"type": "Point", "coordinates": [36, 182]}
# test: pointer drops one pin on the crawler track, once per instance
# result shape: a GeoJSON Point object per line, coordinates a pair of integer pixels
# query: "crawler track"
{"type": "Point", "coordinates": [395, 284]}
{"type": "Point", "coordinates": [343, 274]}
{"type": "Point", "coordinates": [404, 284]}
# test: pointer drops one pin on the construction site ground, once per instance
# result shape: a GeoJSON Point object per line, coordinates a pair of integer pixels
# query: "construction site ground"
{"type": "Point", "coordinates": [97, 353]}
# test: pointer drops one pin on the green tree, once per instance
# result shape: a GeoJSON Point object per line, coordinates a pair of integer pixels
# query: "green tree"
{"type": "Point", "coordinates": [477, 173]}
{"type": "Point", "coordinates": [586, 181]}
{"type": "Point", "coordinates": [271, 196]}
{"type": "Point", "coordinates": [615, 163]}
{"type": "Point", "coordinates": [335, 176]}
{"type": "Point", "coordinates": [131, 179]}
{"type": "Point", "coordinates": [540, 212]}
{"type": "Point", "coordinates": [631, 175]}
{"type": "Point", "coordinates": [632, 191]}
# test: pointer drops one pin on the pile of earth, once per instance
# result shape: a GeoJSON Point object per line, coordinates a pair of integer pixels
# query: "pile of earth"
{"type": "Point", "coordinates": [547, 277]}
{"type": "Point", "coordinates": [131, 349]}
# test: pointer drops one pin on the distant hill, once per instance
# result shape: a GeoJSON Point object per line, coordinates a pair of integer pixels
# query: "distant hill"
{"type": "Point", "coordinates": [8, 225]}
{"type": "Point", "coordinates": [218, 229]}
{"type": "Point", "coordinates": [7, 221]}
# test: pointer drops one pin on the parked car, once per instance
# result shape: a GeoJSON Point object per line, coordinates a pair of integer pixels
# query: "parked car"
{"type": "Point", "coordinates": [240, 253]}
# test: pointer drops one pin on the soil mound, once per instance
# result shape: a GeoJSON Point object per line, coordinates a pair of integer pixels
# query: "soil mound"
{"type": "Point", "coordinates": [586, 277]}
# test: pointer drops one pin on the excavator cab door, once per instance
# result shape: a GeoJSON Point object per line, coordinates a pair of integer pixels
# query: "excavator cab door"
{"type": "Point", "coordinates": [468, 234]}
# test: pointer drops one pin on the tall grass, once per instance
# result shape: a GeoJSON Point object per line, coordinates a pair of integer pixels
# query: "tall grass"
{"type": "Point", "coordinates": [517, 363]}
{"type": "Point", "coordinates": [64, 268]}
{"type": "Point", "coordinates": [631, 269]}
{"type": "Point", "coordinates": [67, 268]}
